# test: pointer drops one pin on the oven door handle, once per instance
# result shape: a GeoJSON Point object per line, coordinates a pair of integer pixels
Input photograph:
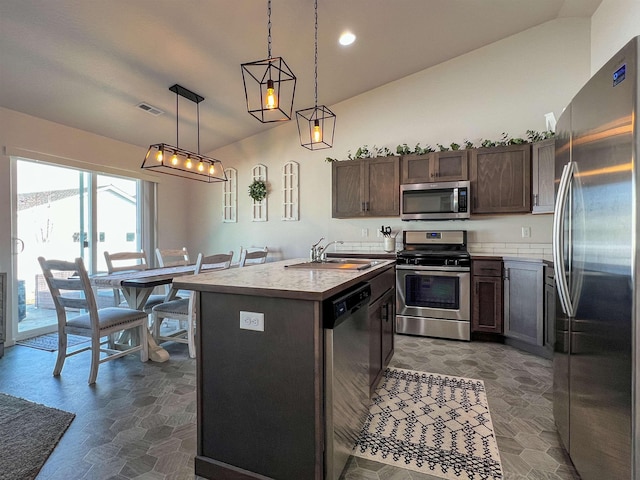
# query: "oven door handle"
{"type": "Point", "coordinates": [426, 270]}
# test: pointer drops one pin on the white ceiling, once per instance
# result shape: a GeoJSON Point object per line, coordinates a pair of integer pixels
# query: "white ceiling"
{"type": "Point", "coordinates": [88, 63]}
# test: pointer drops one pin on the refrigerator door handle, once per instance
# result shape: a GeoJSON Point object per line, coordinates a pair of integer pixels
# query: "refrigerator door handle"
{"type": "Point", "coordinates": [558, 237]}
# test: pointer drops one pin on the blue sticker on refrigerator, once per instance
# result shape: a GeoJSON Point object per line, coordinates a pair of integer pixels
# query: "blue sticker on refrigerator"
{"type": "Point", "coordinates": [618, 75]}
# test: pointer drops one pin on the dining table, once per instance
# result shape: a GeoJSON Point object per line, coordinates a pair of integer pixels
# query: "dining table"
{"type": "Point", "coordinates": [137, 286]}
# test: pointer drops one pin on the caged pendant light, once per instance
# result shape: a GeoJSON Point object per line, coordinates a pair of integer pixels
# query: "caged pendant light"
{"type": "Point", "coordinates": [179, 162]}
{"type": "Point", "coordinates": [316, 125]}
{"type": "Point", "coordinates": [269, 85]}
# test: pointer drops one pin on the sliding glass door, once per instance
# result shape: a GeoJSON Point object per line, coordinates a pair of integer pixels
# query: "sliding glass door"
{"type": "Point", "coordinates": [65, 213]}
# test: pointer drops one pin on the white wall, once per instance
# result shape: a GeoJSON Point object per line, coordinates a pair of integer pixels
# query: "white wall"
{"type": "Point", "coordinates": [38, 139]}
{"type": "Point", "coordinates": [504, 87]}
{"type": "Point", "coordinates": [612, 26]}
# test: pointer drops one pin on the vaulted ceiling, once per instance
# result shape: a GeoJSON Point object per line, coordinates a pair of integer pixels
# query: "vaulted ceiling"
{"type": "Point", "coordinates": [88, 64]}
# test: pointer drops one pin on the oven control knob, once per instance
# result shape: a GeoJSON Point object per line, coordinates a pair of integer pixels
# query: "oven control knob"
{"type": "Point", "coordinates": [456, 262]}
{"type": "Point", "coordinates": [446, 261]}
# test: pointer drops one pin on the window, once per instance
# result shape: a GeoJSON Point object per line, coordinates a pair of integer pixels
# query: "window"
{"type": "Point", "coordinates": [290, 193]}
{"type": "Point", "coordinates": [230, 196]}
{"type": "Point", "coordinates": [259, 209]}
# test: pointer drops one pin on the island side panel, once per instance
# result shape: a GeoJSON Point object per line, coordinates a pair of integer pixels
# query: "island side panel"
{"type": "Point", "coordinates": [259, 393]}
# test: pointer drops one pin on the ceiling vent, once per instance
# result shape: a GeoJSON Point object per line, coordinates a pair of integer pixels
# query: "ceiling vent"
{"type": "Point", "coordinates": [149, 109]}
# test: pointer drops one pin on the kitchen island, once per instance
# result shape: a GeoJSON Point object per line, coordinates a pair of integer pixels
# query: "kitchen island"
{"type": "Point", "coordinates": [261, 366]}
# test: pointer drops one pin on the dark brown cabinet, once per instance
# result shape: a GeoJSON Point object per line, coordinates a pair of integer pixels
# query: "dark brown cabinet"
{"type": "Point", "coordinates": [543, 167]}
{"type": "Point", "coordinates": [486, 279]}
{"type": "Point", "coordinates": [501, 179]}
{"type": "Point", "coordinates": [381, 325]}
{"type": "Point", "coordinates": [367, 187]}
{"type": "Point", "coordinates": [448, 166]}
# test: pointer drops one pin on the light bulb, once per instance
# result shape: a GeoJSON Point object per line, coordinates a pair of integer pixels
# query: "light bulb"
{"type": "Point", "coordinates": [188, 164]}
{"type": "Point", "coordinates": [211, 170]}
{"type": "Point", "coordinates": [317, 133]}
{"type": "Point", "coordinates": [174, 159]}
{"type": "Point", "coordinates": [271, 100]}
{"type": "Point", "coordinates": [200, 166]}
{"type": "Point", "coordinates": [159, 156]}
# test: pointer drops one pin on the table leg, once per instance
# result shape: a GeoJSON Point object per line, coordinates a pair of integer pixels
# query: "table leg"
{"type": "Point", "coordinates": [136, 298]}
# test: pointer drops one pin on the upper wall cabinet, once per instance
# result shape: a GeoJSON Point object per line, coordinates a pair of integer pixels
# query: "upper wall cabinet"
{"type": "Point", "coordinates": [368, 187]}
{"type": "Point", "coordinates": [448, 166]}
{"type": "Point", "coordinates": [542, 163]}
{"type": "Point", "coordinates": [501, 179]}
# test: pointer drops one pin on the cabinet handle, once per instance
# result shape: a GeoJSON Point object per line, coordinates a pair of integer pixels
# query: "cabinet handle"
{"type": "Point", "coordinates": [535, 199]}
{"type": "Point", "coordinates": [362, 208]}
{"type": "Point", "coordinates": [366, 206]}
{"type": "Point", "coordinates": [385, 315]}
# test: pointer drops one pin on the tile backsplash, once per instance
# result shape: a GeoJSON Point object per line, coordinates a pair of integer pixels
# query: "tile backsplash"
{"type": "Point", "coordinates": [534, 250]}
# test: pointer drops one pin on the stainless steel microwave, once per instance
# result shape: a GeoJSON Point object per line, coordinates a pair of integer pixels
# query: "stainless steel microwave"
{"type": "Point", "coordinates": [434, 201]}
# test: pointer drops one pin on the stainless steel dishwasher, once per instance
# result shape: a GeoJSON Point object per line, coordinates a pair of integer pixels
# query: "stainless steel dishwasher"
{"type": "Point", "coordinates": [346, 349]}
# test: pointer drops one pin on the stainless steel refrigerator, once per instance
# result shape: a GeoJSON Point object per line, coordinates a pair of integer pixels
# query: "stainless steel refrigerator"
{"type": "Point", "coordinates": [595, 245]}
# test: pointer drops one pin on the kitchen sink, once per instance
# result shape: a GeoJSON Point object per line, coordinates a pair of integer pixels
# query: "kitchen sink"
{"type": "Point", "coordinates": [336, 264]}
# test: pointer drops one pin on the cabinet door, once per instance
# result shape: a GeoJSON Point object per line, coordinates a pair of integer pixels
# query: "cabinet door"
{"type": "Point", "coordinates": [523, 302]}
{"type": "Point", "coordinates": [382, 186]}
{"type": "Point", "coordinates": [487, 304]}
{"type": "Point", "coordinates": [375, 342]}
{"type": "Point", "coordinates": [347, 189]}
{"type": "Point", "coordinates": [450, 166]}
{"type": "Point", "coordinates": [542, 163]}
{"type": "Point", "coordinates": [549, 310]}
{"type": "Point", "coordinates": [417, 168]}
{"type": "Point", "coordinates": [501, 179]}
{"type": "Point", "coordinates": [388, 322]}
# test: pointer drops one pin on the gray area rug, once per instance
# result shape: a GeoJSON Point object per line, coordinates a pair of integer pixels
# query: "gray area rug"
{"type": "Point", "coordinates": [49, 341]}
{"type": "Point", "coordinates": [433, 424]}
{"type": "Point", "coordinates": [28, 434]}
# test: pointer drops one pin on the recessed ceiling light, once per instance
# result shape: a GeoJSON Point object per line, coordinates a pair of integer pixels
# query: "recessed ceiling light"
{"type": "Point", "coordinates": [347, 38]}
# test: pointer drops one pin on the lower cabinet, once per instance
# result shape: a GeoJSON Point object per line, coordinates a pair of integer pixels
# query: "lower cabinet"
{"type": "Point", "coordinates": [549, 309]}
{"type": "Point", "coordinates": [381, 326]}
{"type": "Point", "coordinates": [524, 305]}
{"type": "Point", "coordinates": [486, 301]}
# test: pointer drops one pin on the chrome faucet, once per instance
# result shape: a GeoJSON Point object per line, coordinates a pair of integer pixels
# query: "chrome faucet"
{"type": "Point", "coordinates": [319, 254]}
{"type": "Point", "coordinates": [314, 254]}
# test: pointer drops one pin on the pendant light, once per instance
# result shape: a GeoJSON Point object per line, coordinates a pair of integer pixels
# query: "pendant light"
{"type": "Point", "coordinates": [269, 85]}
{"type": "Point", "coordinates": [173, 160]}
{"type": "Point", "coordinates": [316, 125]}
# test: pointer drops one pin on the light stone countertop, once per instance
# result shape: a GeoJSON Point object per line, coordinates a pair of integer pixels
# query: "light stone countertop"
{"type": "Point", "coordinates": [272, 279]}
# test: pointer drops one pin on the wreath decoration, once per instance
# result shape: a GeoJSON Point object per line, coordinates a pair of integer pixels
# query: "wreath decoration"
{"type": "Point", "coordinates": [258, 190]}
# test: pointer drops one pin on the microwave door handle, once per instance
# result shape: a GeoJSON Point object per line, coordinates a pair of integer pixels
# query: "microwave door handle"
{"type": "Point", "coordinates": [455, 200]}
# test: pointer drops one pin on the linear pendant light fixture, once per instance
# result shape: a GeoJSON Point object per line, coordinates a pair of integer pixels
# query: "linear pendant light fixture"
{"type": "Point", "coordinates": [269, 85]}
{"type": "Point", "coordinates": [316, 125]}
{"type": "Point", "coordinates": [173, 160]}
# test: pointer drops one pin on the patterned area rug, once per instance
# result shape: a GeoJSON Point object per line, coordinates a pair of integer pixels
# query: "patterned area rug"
{"type": "Point", "coordinates": [49, 341]}
{"type": "Point", "coordinates": [433, 424]}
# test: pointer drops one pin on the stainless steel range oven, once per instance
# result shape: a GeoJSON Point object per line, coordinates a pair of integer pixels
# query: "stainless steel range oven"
{"type": "Point", "coordinates": [433, 285]}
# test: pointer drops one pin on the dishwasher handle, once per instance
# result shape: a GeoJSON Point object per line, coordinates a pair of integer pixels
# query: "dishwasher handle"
{"type": "Point", "coordinates": [339, 308]}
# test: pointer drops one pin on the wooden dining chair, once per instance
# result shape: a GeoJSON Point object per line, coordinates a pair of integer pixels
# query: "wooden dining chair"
{"type": "Point", "coordinates": [74, 294]}
{"type": "Point", "coordinates": [217, 261]}
{"type": "Point", "coordinates": [252, 256]}
{"type": "Point", "coordinates": [127, 262]}
{"type": "Point", "coordinates": [172, 257]}
{"type": "Point", "coordinates": [183, 310]}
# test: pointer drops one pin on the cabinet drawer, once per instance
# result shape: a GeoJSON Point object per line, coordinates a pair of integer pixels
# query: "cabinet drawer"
{"type": "Point", "coordinates": [486, 268]}
{"type": "Point", "coordinates": [382, 283]}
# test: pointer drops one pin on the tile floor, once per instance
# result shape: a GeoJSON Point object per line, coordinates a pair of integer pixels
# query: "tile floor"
{"type": "Point", "coordinates": [138, 421]}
